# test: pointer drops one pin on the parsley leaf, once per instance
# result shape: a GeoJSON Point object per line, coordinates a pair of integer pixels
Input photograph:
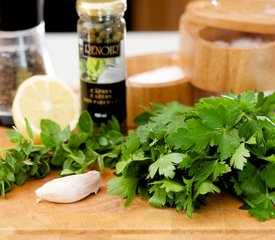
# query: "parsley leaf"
{"type": "Point", "coordinates": [267, 174]}
{"type": "Point", "coordinates": [169, 185]}
{"type": "Point", "coordinates": [207, 187]}
{"type": "Point", "coordinates": [158, 199]}
{"type": "Point", "coordinates": [239, 157]}
{"type": "Point", "coordinates": [262, 214]}
{"type": "Point", "coordinates": [250, 179]}
{"type": "Point", "coordinates": [125, 187]}
{"type": "Point", "coordinates": [165, 165]}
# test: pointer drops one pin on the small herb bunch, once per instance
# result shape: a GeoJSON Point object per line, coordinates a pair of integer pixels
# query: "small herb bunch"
{"type": "Point", "coordinates": [72, 152]}
{"type": "Point", "coordinates": [179, 155]}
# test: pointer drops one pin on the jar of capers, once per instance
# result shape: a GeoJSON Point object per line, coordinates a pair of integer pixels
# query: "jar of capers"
{"type": "Point", "coordinates": [101, 33]}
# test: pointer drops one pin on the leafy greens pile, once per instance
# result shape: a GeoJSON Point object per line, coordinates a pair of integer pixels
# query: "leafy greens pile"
{"type": "Point", "coordinates": [71, 152]}
{"type": "Point", "coordinates": [179, 155]}
{"type": "Point", "coordinates": [176, 157]}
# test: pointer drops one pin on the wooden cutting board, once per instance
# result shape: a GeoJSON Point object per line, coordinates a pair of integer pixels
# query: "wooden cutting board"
{"type": "Point", "coordinates": [103, 217]}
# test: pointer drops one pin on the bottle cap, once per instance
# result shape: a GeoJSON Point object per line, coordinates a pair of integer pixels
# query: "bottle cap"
{"type": "Point", "coordinates": [18, 15]}
{"type": "Point", "coordinates": [100, 8]}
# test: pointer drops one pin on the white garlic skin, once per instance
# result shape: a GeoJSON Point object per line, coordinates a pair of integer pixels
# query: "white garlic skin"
{"type": "Point", "coordinates": [69, 189]}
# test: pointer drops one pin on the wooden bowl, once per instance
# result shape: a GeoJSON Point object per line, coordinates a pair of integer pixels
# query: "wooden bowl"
{"type": "Point", "coordinates": [213, 69]}
{"type": "Point", "coordinates": [223, 68]}
{"type": "Point", "coordinates": [142, 95]}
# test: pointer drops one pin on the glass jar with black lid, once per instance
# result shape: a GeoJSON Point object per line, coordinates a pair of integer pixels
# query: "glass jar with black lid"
{"type": "Point", "coordinates": [101, 32]}
{"type": "Point", "coordinates": [22, 49]}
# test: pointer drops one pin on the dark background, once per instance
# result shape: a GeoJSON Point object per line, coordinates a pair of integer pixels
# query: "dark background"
{"type": "Point", "coordinates": [61, 15]}
{"type": "Point", "coordinates": [141, 15]}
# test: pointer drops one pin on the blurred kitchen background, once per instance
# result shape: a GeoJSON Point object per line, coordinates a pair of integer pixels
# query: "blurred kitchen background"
{"type": "Point", "coordinates": [141, 15]}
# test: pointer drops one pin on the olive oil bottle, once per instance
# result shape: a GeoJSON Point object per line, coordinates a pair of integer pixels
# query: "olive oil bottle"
{"type": "Point", "coordinates": [101, 33]}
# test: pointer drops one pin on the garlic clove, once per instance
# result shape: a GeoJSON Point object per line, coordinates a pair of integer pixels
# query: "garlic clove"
{"type": "Point", "coordinates": [70, 188]}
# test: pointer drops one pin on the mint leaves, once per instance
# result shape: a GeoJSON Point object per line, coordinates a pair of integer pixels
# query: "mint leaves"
{"type": "Point", "coordinates": [69, 152]}
{"type": "Point", "coordinates": [179, 155]}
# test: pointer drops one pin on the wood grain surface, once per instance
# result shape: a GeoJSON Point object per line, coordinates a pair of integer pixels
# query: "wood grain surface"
{"type": "Point", "coordinates": [103, 217]}
{"type": "Point", "coordinates": [254, 17]}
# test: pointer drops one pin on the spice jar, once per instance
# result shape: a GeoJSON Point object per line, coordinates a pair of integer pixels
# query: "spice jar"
{"type": "Point", "coordinates": [101, 33]}
{"type": "Point", "coordinates": [22, 49]}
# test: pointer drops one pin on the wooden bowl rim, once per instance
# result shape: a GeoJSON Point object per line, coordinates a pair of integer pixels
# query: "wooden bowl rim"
{"type": "Point", "coordinates": [211, 44]}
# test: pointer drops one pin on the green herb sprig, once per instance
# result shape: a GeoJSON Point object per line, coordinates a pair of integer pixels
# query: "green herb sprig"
{"type": "Point", "coordinates": [70, 152]}
{"type": "Point", "coordinates": [178, 155]}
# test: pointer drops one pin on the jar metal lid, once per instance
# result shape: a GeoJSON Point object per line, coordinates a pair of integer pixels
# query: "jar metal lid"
{"type": "Point", "coordinates": [101, 7]}
{"type": "Point", "coordinates": [16, 15]}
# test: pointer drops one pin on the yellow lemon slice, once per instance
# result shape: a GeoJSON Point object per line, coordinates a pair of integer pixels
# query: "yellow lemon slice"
{"type": "Point", "coordinates": [43, 97]}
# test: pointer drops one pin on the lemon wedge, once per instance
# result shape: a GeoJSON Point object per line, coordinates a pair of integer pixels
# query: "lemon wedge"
{"type": "Point", "coordinates": [44, 97]}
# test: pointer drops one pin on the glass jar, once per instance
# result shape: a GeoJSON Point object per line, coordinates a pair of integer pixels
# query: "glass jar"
{"type": "Point", "coordinates": [101, 32]}
{"type": "Point", "coordinates": [22, 49]}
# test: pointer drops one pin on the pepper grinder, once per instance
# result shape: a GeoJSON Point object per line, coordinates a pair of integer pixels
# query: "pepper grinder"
{"type": "Point", "coordinates": [22, 49]}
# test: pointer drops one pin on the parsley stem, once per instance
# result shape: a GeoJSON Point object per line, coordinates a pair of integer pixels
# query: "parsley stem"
{"type": "Point", "coordinates": [2, 188]}
{"type": "Point", "coordinates": [267, 197]}
{"type": "Point", "coordinates": [249, 203]}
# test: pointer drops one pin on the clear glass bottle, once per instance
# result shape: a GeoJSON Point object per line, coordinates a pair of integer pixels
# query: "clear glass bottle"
{"type": "Point", "coordinates": [101, 32]}
{"type": "Point", "coordinates": [22, 49]}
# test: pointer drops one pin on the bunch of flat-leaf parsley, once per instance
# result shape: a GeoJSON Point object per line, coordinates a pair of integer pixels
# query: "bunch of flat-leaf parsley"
{"type": "Point", "coordinates": [178, 155]}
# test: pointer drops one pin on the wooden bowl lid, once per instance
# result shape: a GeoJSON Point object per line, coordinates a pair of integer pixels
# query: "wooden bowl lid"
{"type": "Point", "coordinates": [255, 20]}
